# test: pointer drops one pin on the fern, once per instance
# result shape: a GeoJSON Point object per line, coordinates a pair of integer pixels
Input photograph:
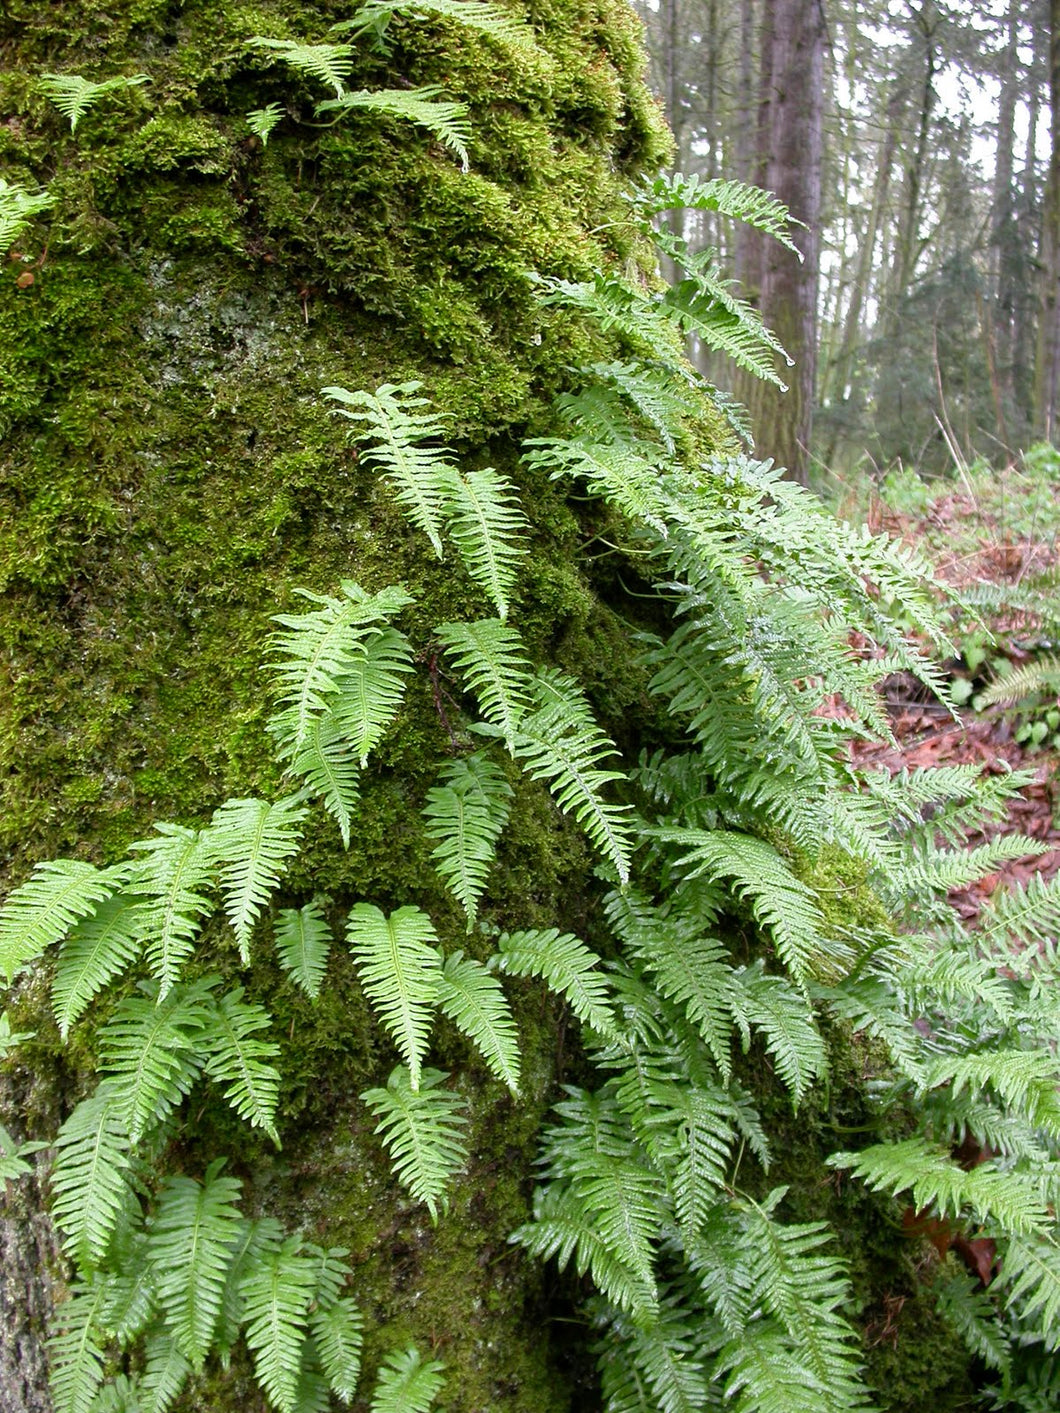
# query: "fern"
{"type": "Point", "coordinates": [396, 429]}
{"type": "Point", "coordinates": [326, 764]}
{"type": "Point", "coordinates": [250, 841]}
{"type": "Point", "coordinates": [263, 121]}
{"type": "Point", "coordinates": [734, 199]}
{"type": "Point", "coordinates": [401, 974]}
{"type": "Point", "coordinates": [98, 948]}
{"type": "Point", "coordinates": [90, 1178]}
{"type": "Point", "coordinates": [566, 964]}
{"type": "Point", "coordinates": [45, 909]}
{"type": "Point", "coordinates": [442, 118]}
{"type": "Point", "coordinates": [13, 1156]}
{"type": "Point", "coordinates": [166, 1372]}
{"type": "Point", "coordinates": [76, 1348]}
{"type": "Point", "coordinates": [422, 1127]}
{"type": "Point", "coordinates": [1030, 1269]}
{"type": "Point", "coordinates": [474, 1001]}
{"type": "Point", "coordinates": [326, 63]}
{"type": "Point", "coordinates": [189, 1246]}
{"type": "Point", "coordinates": [491, 656]}
{"type": "Point", "coordinates": [238, 1059]}
{"type": "Point", "coordinates": [466, 813]}
{"type": "Point", "coordinates": [277, 1292]}
{"type": "Point", "coordinates": [74, 95]}
{"type": "Point", "coordinates": [407, 1383]}
{"type": "Point", "coordinates": [1022, 684]}
{"type": "Point", "coordinates": [303, 942]}
{"type": "Point", "coordinates": [370, 692]}
{"type": "Point", "coordinates": [970, 1311]}
{"type": "Point", "coordinates": [495, 21]}
{"type": "Point", "coordinates": [151, 1048]}
{"type": "Point", "coordinates": [175, 863]}
{"type": "Point", "coordinates": [17, 208]}
{"type": "Point", "coordinates": [337, 1332]}
{"type": "Point", "coordinates": [484, 521]}
{"type": "Point", "coordinates": [773, 1006]}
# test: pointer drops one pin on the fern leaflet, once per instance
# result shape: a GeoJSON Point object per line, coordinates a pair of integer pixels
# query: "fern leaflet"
{"type": "Point", "coordinates": [443, 119]}
{"type": "Point", "coordinates": [422, 1128]}
{"type": "Point", "coordinates": [239, 1060]}
{"type": "Point", "coordinates": [491, 656]}
{"type": "Point", "coordinates": [473, 999]}
{"type": "Point", "coordinates": [567, 966]}
{"type": "Point", "coordinates": [407, 1383]}
{"type": "Point", "coordinates": [466, 813]}
{"type": "Point", "coordinates": [150, 1048]}
{"type": "Point", "coordinates": [90, 1178]}
{"type": "Point", "coordinates": [75, 1348]}
{"type": "Point", "coordinates": [327, 63]}
{"type": "Point", "coordinates": [277, 1291]}
{"type": "Point", "coordinates": [251, 841]}
{"type": "Point", "coordinates": [337, 1331]}
{"type": "Point", "coordinates": [401, 972]}
{"type": "Point", "coordinates": [74, 95]}
{"type": "Point", "coordinates": [303, 942]}
{"type": "Point", "coordinates": [325, 762]}
{"type": "Point", "coordinates": [99, 948]}
{"type": "Point", "coordinates": [176, 862]}
{"type": "Point", "coordinates": [485, 522]}
{"type": "Point", "coordinates": [44, 909]}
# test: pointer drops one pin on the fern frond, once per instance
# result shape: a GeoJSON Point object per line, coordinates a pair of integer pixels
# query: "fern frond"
{"type": "Point", "coordinates": [253, 1240]}
{"type": "Point", "coordinates": [703, 305]}
{"type": "Point", "coordinates": [475, 1002]}
{"type": "Point", "coordinates": [74, 95]}
{"type": "Point", "coordinates": [560, 744]}
{"type": "Point", "coordinates": [489, 19]}
{"type": "Point", "coordinates": [782, 1014]}
{"type": "Point", "coordinates": [337, 1330]}
{"type": "Point", "coordinates": [318, 650]}
{"type": "Point", "coordinates": [466, 813]}
{"type": "Point", "coordinates": [400, 971]}
{"type": "Point", "coordinates": [968, 1309]}
{"type": "Point", "coordinates": [262, 121]}
{"type": "Point", "coordinates": [666, 1353]}
{"type": "Point", "coordinates": [1022, 683]}
{"type": "Point", "coordinates": [1030, 1269]}
{"type": "Point", "coordinates": [422, 1128]}
{"type": "Point", "coordinates": [491, 656]}
{"type": "Point", "coordinates": [99, 948]}
{"type": "Point", "coordinates": [407, 1383]}
{"type": "Point", "coordinates": [90, 1177]}
{"type": "Point", "coordinates": [17, 208]}
{"type": "Point", "coordinates": [396, 430]}
{"type": "Point", "coordinates": [327, 63]}
{"type": "Point", "coordinates": [442, 118]}
{"type": "Point", "coordinates": [763, 1374]}
{"type": "Point", "coordinates": [622, 472]}
{"type": "Point", "coordinates": [190, 1242]}
{"type": "Point", "coordinates": [303, 942]}
{"type": "Point", "coordinates": [165, 1373]}
{"type": "Point", "coordinates": [277, 1290]}
{"type": "Point", "coordinates": [734, 199]}
{"type": "Point", "coordinates": [326, 764]}
{"type": "Point", "coordinates": [131, 1293]}
{"type": "Point", "coordinates": [655, 396]}
{"type": "Point", "coordinates": [13, 1156]}
{"type": "Point", "coordinates": [175, 863]}
{"type": "Point", "coordinates": [236, 1058]}
{"type": "Point", "coordinates": [692, 1143]}
{"type": "Point", "coordinates": [45, 909]}
{"type": "Point", "coordinates": [371, 691]}
{"type": "Point", "coordinates": [567, 966]}
{"type": "Point", "coordinates": [76, 1348]}
{"type": "Point", "coordinates": [484, 520]}
{"type": "Point", "coordinates": [1025, 1080]}
{"type": "Point", "coordinates": [151, 1049]}
{"type": "Point", "coordinates": [250, 841]}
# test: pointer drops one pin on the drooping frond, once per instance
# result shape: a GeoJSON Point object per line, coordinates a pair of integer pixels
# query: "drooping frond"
{"type": "Point", "coordinates": [100, 947]}
{"type": "Point", "coordinates": [734, 199]}
{"type": "Point", "coordinates": [151, 1049]}
{"type": "Point", "coordinates": [407, 1383]}
{"type": "Point", "coordinates": [560, 744]}
{"type": "Point", "coordinates": [373, 17]}
{"type": "Point", "coordinates": [327, 765]}
{"type": "Point", "coordinates": [475, 1002]}
{"type": "Point", "coordinates": [44, 909]}
{"type": "Point", "coordinates": [1030, 1270]}
{"type": "Point", "coordinates": [17, 208]}
{"type": "Point", "coordinates": [967, 1308]}
{"type": "Point", "coordinates": [466, 813]}
{"type": "Point", "coordinates": [396, 431]}
{"type": "Point", "coordinates": [90, 1178]}
{"type": "Point", "coordinates": [253, 1239]}
{"type": "Point", "coordinates": [13, 1156]}
{"type": "Point", "coordinates": [316, 652]}
{"type": "Point", "coordinates": [131, 1293]}
{"type": "Point", "coordinates": [74, 95]}
{"type": "Point", "coordinates": [76, 1348]}
{"type": "Point", "coordinates": [705, 306]}
{"type": "Point", "coordinates": [655, 396]}
{"type": "Point", "coordinates": [400, 969]}
{"type": "Point", "coordinates": [772, 1005]}
{"type": "Point", "coordinates": [165, 1373]}
{"type": "Point", "coordinates": [262, 121]}
{"type": "Point", "coordinates": [1027, 917]}
{"type": "Point", "coordinates": [567, 966]}
{"type": "Point", "coordinates": [303, 942]}
{"type": "Point", "coordinates": [238, 1059]}
{"type": "Point", "coordinates": [337, 1331]}
{"type": "Point", "coordinates": [190, 1240]}
{"type": "Point", "coordinates": [175, 863]}
{"type": "Point", "coordinates": [491, 656]}
{"type": "Point", "coordinates": [327, 63]}
{"type": "Point", "coordinates": [690, 1134]}
{"type": "Point", "coordinates": [1042, 675]}
{"type": "Point", "coordinates": [250, 842]}
{"type": "Point", "coordinates": [277, 1290]}
{"type": "Point", "coordinates": [624, 472]}
{"type": "Point", "coordinates": [422, 1128]}
{"type": "Point", "coordinates": [441, 117]}
{"type": "Point", "coordinates": [484, 520]}
{"type": "Point", "coordinates": [1024, 1080]}
{"type": "Point", "coordinates": [371, 690]}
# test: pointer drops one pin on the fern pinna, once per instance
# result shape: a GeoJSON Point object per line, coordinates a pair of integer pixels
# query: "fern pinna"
{"type": "Point", "coordinates": [731, 979]}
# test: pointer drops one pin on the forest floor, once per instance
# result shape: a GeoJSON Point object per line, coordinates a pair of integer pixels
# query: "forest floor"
{"type": "Point", "coordinates": [985, 534]}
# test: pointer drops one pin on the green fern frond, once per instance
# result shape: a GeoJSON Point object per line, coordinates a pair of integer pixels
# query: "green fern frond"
{"type": "Point", "coordinates": [131, 1293]}
{"type": "Point", "coordinates": [1030, 1270]}
{"type": "Point", "coordinates": [407, 1383]}
{"type": "Point", "coordinates": [396, 429]}
{"type": "Point", "coordinates": [484, 520]}
{"type": "Point", "coordinates": [250, 841]}
{"type": "Point", "coordinates": [1023, 918]}
{"type": "Point", "coordinates": [561, 745]}
{"type": "Point", "coordinates": [327, 63]}
{"type": "Point", "coordinates": [74, 95]}
{"type": "Point", "coordinates": [475, 1002]}
{"type": "Point", "coordinates": [190, 1243]}
{"type": "Point", "coordinates": [277, 1291]}
{"type": "Point", "coordinates": [422, 1128]}
{"type": "Point", "coordinates": [1023, 683]}
{"type": "Point", "coordinates": [655, 396]}
{"type": "Point", "coordinates": [692, 1144]}
{"type": "Point", "coordinates": [733, 199]}
{"type": "Point", "coordinates": [45, 909]}
{"type": "Point", "coordinates": [262, 121]}
{"type": "Point", "coordinates": [252, 1241]}
{"type": "Point", "coordinates": [175, 863]}
{"type": "Point", "coordinates": [90, 1177]}
{"type": "Point", "coordinates": [495, 21]}
{"type": "Point", "coordinates": [371, 691]}
{"type": "Point", "coordinates": [318, 650]}
{"type": "Point", "coordinates": [151, 1049]}
{"type": "Point", "coordinates": [934, 870]}
{"type": "Point", "coordinates": [17, 208]}
{"type": "Point", "coordinates": [400, 969]}
{"type": "Point", "coordinates": [1025, 1080]}
{"type": "Point", "coordinates": [236, 1058]}
{"type": "Point", "coordinates": [491, 656]}
{"type": "Point", "coordinates": [763, 1374]}
{"type": "Point", "coordinates": [621, 472]}
{"type": "Point", "coordinates": [466, 813]}
{"type": "Point", "coordinates": [969, 1310]}
{"type": "Point", "coordinates": [773, 1006]}
{"type": "Point", "coordinates": [325, 762]}
{"type": "Point", "coordinates": [166, 1371]}
{"type": "Point", "coordinates": [303, 943]}
{"type": "Point", "coordinates": [567, 966]}
{"type": "Point", "coordinates": [337, 1331]}
{"type": "Point", "coordinates": [704, 306]}
{"type": "Point", "coordinates": [100, 947]}
{"type": "Point", "coordinates": [442, 118]}
{"type": "Point", "coordinates": [76, 1348]}
{"type": "Point", "coordinates": [13, 1156]}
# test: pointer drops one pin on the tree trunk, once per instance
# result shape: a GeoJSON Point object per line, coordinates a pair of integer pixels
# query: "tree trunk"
{"type": "Point", "coordinates": [169, 478]}
{"type": "Point", "coordinates": [1047, 356]}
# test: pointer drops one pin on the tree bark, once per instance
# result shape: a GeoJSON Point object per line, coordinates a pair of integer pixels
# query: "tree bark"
{"type": "Point", "coordinates": [1047, 357]}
